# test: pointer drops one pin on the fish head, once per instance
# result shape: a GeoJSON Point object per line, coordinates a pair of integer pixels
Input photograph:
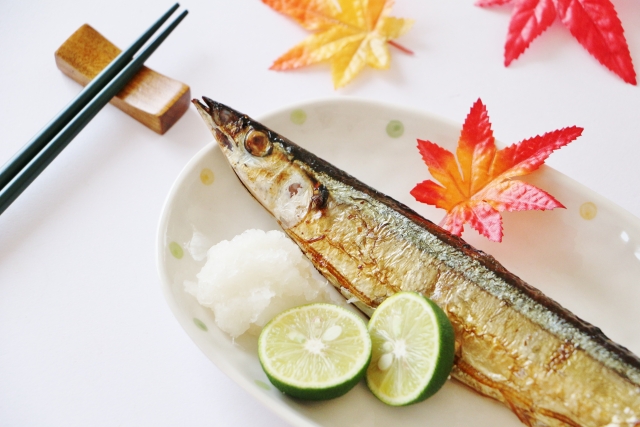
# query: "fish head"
{"type": "Point", "coordinates": [265, 163]}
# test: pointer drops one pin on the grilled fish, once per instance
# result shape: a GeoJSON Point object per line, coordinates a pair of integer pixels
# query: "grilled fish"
{"type": "Point", "coordinates": [513, 343]}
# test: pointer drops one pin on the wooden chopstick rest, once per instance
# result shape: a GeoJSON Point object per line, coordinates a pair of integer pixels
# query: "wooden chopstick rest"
{"type": "Point", "coordinates": [153, 99]}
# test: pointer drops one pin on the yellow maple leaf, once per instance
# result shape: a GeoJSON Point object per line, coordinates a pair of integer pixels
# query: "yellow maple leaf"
{"type": "Point", "coordinates": [349, 33]}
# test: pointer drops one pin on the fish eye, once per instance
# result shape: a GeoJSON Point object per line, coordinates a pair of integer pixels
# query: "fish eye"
{"type": "Point", "coordinates": [257, 143]}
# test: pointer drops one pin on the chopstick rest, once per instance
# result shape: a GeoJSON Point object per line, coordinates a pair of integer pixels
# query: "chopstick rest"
{"type": "Point", "coordinates": [155, 100]}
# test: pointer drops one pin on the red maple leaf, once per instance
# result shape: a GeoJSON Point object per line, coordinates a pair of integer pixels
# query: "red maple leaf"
{"type": "Point", "coordinates": [594, 23]}
{"type": "Point", "coordinates": [479, 185]}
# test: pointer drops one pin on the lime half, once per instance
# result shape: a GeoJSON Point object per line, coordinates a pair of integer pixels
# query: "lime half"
{"type": "Point", "coordinates": [316, 351]}
{"type": "Point", "coordinates": [413, 349]}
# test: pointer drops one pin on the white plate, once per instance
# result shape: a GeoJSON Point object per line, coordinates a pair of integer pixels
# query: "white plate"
{"type": "Point", "coordinates": [591, 266]}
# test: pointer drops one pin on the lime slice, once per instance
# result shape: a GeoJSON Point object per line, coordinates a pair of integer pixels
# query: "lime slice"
{"type": "Point", "coordinates": [413, 348]}
{"type": "Point", "coordinates": [316, 351]}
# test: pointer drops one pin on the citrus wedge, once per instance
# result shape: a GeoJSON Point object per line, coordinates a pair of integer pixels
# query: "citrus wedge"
{"type": "Point", "coordinates": [315, 352]}
{"type": "Point", "coordinates": [413, 349]}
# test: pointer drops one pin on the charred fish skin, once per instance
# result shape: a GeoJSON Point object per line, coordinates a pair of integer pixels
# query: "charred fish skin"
{"type": "Point", "coordinates": [514, 343]}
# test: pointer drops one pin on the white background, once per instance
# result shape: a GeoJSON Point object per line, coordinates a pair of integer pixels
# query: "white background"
{"type": "Point", "coordinates": [86, 337]}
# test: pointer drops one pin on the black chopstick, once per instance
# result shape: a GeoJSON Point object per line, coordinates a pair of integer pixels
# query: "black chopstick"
{"type": "Point", "coordinates": [22, 157]}
{"type": "Point", "coordinates": [40, 159]}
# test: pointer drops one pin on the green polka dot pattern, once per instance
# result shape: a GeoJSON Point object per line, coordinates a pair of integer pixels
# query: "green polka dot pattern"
{"type": "Point", "coordinates": [176, 250]}
{"type": "Point", "coordinates": [395, 129]}
{"type": "Point", "coordinates": [298, 117]}
{"type": "Point", "coordinates": [262, 385]}
{"type": "Point", "coordinates": [200, 324]}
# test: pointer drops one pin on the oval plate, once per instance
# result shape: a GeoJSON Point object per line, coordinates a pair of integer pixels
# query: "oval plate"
{"type": "Point", "coordinates": [591, 266]}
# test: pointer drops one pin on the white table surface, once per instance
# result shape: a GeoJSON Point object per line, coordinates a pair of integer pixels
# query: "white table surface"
{"type": "Point", "coordinates": [86, 337]}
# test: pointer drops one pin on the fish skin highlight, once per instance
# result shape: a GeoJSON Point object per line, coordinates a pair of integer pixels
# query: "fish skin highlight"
{"type": "Point", "coordinates": [513, 343]}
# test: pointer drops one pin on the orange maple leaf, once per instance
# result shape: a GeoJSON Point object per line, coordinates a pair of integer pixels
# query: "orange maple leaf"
{"type": "Point", "coordinates": [480, 185]}
{"type": "Point", "coordinates": [349, 33]}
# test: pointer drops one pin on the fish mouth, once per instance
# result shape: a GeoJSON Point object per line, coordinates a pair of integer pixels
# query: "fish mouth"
{"type": "Point", "coordinates": [225, 122]}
